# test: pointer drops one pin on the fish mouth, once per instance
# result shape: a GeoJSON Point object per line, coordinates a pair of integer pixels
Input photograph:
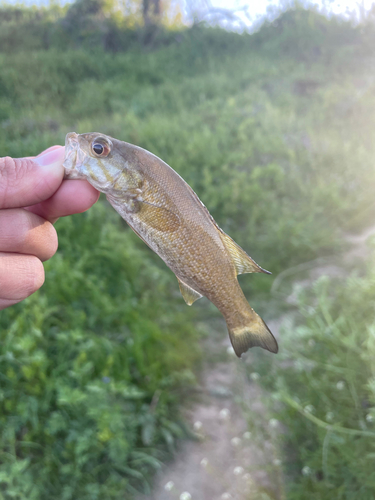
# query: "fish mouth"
{"type": "Point", "coordinates": [74, 157]}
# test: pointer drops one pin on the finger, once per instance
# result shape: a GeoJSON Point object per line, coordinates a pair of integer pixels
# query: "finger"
{"type": "Point", "coordinates": [6, 303]}
{"type": "Point", "coordinates": [48, 150]}
{"type": "Point", "coordinates": [20, 276]}
{"type": "Point", "coordinates": [72, 197]}
{"type": "Point", "coordinates": [25, 182]}
{"type": "Point", "coordinates": [24, 232]}
{"type": "Point", "coordinates": [52, 148]}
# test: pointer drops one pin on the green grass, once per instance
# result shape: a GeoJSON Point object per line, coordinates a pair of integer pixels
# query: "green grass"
{"type": "Point", "coordinates": [321, 389]}
{"type": "Point", "coordinates": [275, 132]}
{"type": "Point", "coordinates": [92, 368]}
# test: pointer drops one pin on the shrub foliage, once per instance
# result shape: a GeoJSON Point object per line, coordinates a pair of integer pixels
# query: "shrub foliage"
{"type": "Point", "coordinates": [323, 390]}
{"type": "Point", "coordinates": [274, 131]}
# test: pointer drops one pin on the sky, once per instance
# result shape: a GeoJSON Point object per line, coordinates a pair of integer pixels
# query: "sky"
{"type": "Point", "coordinates": [248, 13]}
{"type": "Point", "coordinates": [251, 11]}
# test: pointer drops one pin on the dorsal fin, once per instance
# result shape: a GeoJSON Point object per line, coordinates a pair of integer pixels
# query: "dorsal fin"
{"type": "Point", "coordinates": [188, 293]}
{"type": "Point", "coordinates": [243, 262]}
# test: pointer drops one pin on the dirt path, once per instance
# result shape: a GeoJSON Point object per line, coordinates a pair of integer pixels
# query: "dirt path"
{"type": "Point", "coordinates": [228, 462]}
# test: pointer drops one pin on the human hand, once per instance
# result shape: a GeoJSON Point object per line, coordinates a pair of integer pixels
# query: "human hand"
{"type": "Point", "coordinates": [33, 196]}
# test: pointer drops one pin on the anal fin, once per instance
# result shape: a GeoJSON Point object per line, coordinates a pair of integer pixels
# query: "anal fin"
{"type": "Point", "coordinates": [189, 294]}
{"type": "Point", "coordinates": [243, 262]}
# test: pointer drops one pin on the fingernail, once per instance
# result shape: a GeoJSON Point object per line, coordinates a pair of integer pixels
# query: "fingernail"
{"type": "Point", "coordinates": [51, 158]}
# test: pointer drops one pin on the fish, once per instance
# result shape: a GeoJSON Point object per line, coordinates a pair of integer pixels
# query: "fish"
{"type": "Point", "coordinates": [164, 211]}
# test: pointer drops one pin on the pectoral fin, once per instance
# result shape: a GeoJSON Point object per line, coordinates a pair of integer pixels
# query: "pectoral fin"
{"type": "Point", "coordinates": [243, 262]}
{"type": "Point", "coordinates": [188, 293]}
{"type": "Point", "coordinates": [158, 218]}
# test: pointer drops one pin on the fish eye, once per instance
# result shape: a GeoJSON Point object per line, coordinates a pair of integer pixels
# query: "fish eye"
{"type": "Point", "coordinates": [100, 148]}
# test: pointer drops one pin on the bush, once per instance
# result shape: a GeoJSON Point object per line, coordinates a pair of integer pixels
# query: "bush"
{"type": "Point", "coordinates": [324, 388]}
{"type": "Point", "coordinates": [91, 367]}
{"type": "Point", "coordinates": [95, 365]}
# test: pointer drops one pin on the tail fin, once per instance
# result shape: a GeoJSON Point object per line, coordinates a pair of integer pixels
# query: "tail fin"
{"type": "Point", "coordinates": [254, 333]}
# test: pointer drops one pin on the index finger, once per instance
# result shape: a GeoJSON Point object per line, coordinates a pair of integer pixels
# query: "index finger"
{"type": "Point", "coordinates": [72, 197]}
{"type": "Point", "coordinates": [51, 148]}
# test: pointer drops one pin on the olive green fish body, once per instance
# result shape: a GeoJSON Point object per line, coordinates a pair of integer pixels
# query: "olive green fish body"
{"type": "Point", "coordinates": [166, 213]}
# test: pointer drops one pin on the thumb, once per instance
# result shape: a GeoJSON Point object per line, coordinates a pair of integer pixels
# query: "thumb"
{"type": "Point", "coordinates": [25, 181]}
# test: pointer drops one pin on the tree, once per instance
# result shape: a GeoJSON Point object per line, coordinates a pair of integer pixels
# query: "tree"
{"type": "Point", "coordinates": [151, 12]}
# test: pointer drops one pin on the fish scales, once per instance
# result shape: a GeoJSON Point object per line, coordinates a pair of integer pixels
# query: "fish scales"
{"type": "Point", "coordinates": [165, 212]}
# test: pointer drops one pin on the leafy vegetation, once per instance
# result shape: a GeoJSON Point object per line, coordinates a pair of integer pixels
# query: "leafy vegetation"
{"type": "Point", "coordinates": [275, 132]}
{"type": "Point", "coordinates": [323, 390]}
{"type": "Point", "coordinates": [91, 368]}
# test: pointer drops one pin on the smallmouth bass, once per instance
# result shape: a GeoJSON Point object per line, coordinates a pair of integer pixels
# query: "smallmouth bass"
{"type": "Point", "coordinates": [168, 216]}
